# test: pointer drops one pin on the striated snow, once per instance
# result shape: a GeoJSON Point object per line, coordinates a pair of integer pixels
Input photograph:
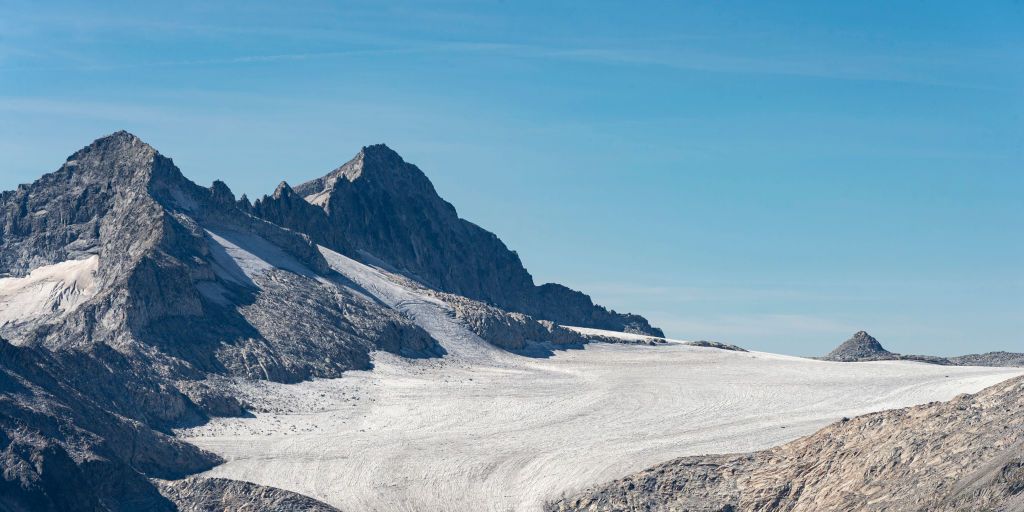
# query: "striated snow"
{"type": "Point", "coordinates": [430, 313]}
{"type": "Point", "coordinates": [483, 429]}
{"type": "Point", "coordinates": [47, 291]}
{"type": "Point", "coordinates": [238, 257]}
{"type": "Point", "coordinates": [625, 336]}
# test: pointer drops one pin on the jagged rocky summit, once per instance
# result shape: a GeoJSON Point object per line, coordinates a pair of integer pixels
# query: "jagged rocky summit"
{"type": "Point", "coordinates": [127, 291]}
{"type": "Point", "coordinates": [378, 206]}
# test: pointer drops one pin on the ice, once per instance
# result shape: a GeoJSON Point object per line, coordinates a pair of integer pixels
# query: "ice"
{"type": "Point", "coordinates": [48, 291]}
{"type": "Point", "coordinates": [483, 429]}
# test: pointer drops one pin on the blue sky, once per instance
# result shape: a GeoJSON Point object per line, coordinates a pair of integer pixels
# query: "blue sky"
{"type": "Point", "coordinates": [777, 175]}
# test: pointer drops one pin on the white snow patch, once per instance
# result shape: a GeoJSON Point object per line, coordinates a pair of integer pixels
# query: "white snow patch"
{"type": "Point", "coordinates": [483, 429]}
{"type": "Point", "coordinates": [433, 315]}
{"type": "Point", "coordinates": [238, 257]}
{"type": "Point", "coordinates": [319, 198]}
{"type": "Point", "coordinates": [50, 290]}
{"type": "Point", "coordinates": [588, 331]}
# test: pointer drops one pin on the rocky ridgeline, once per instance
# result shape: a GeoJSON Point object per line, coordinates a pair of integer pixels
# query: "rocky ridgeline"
{"type": "Point", "coordinates": [864, 347]}
{"type": "Point", "coordinates": [965, 454]}
{"type": "Point", "coordinates": [378, 204]}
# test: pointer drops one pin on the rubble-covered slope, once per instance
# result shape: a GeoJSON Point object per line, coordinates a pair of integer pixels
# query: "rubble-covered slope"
{"type": "Point", "coordinates": [208, 494]}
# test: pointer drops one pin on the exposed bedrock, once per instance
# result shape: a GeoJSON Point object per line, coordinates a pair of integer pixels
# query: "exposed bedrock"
{"type": "Point", "coordinates": [965, 454]}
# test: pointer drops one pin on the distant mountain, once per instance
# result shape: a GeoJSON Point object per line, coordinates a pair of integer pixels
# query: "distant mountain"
{"type": "Point", "coordinates": [965, 454]}
{"type": "Point", "coordinates": [863, 347]}
{"type": "Point", "coordinates": [379, 207]}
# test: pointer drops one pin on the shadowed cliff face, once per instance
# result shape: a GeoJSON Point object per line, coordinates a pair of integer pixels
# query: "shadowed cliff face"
{"type": "Point", "coordinates": [379, 206]}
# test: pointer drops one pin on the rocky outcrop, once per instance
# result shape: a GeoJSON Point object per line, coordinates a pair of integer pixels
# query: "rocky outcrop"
{"type": "Point", "coordinates": [207, 494]}
{"type": "Point", "coordinates": [716, 344]}
{"type": "Point", "coordinates": [965, 454]}
{"type": "Point", "coordinates": [512, 331]}
{"type": "Point", "coordinates": [990, 359]}
{"type": "Point", "coordinates": [377, 204]}
{"type": "Point", "coordinates": [74, 435]}
{"type": "Point", "coordinates": [863, 347]}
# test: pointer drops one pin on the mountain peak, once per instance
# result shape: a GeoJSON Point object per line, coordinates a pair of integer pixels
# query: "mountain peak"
{"type": "Point", "coordinates": [379, 150]}
{"type": "Point", "coordinates": [283, 190]}
{"type": "Point", "coordinates": [861, 346]}
{"type": "Point", "coordinates": [121, 153]}
{"type": "Point", "coordinates": [376, 159]}
{"type": "Point", "coordinates": [221, 193]}
{"type": "Point", "coordinates": [118, 139]}
{"type": "Point", "coordinates": [375, 163]}
{"type": "Point", "coordinates": [378, 204]}
{"type": "Point", "coordinates": [121, 135]}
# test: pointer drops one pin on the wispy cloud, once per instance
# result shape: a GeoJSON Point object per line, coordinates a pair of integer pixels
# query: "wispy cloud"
{"type": "Point", "coordinates": [680, 55]}
{"type": "Point", "coordinates": [109, 111]}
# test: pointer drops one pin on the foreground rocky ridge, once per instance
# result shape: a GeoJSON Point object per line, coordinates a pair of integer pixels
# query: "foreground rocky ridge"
{"type": "Point", "coordinates": [207, 494]}
{"type": "Point", "coordinates": [965, 454]}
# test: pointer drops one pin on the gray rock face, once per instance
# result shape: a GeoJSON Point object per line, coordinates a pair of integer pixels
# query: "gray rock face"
{"type": "Point", "coordinates": [861, 347]}
{"type": "Point", "coordinates": [68, 438]}
{"type": "Point", "coordinates": [512, 331]}
{"type": "Point", "coordinates": [716, 344]}
{"type": "Point", "coordinates": [208, 494]}
{"type": "Point", "coordinates": [380, 205]}
{"type": "Point", "coordinates": [990, 359]}
{"type": "Point", "coordinates": [966, 454]}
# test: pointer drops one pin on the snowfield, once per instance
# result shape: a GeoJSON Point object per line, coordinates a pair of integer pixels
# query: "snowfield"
{"type": "Point", "coordinates": [47, 291]}
{"type": "Point", "coordinates": [483, 429]}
